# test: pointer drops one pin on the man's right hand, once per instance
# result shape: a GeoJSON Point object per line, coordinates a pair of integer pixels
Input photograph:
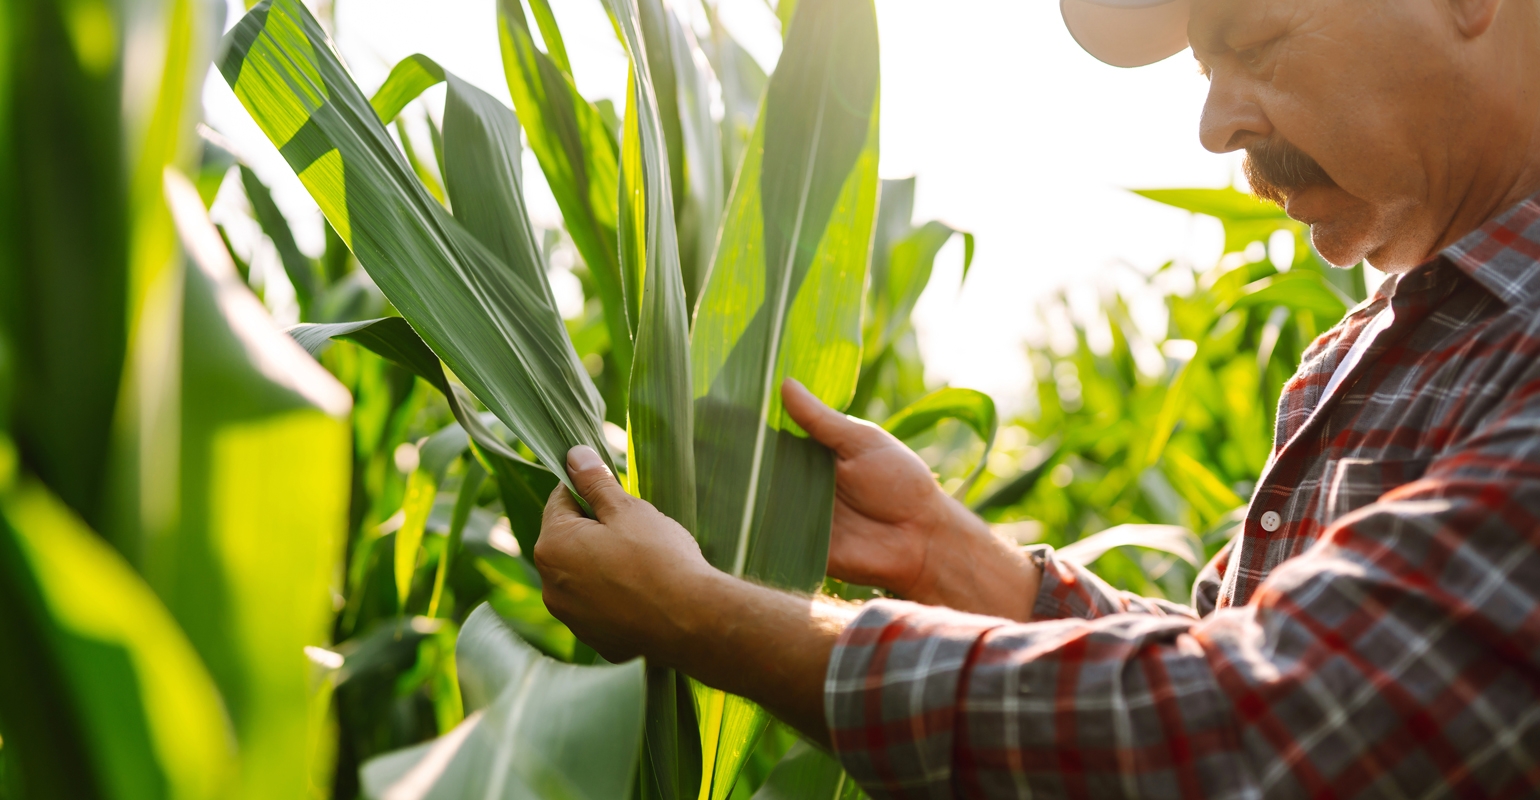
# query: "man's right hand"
{"type": "Point", "coordinates": [895, 528]}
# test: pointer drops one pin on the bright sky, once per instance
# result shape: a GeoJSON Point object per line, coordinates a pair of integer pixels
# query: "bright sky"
{"type": "Point", "coordinates": [1013, 132]}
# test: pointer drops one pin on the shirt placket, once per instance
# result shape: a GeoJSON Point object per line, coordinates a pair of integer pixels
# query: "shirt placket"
{"type": "Point", "coordinates": [1410, 301]}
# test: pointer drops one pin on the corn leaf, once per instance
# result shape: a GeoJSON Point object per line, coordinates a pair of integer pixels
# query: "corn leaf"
{"type": "Point", "coordinates": [408, 79]}
{"type": "Point", "coordinates": [506, 343]}
{"type": "Point", "coordinates": [524, 486]}
{"type": "Point", "coordinates": [661, 461]}
{"type": "Point", "coordinates": [968, 406]}
{"type": "Point", "coordinates": [539, 728]}
{"type": "Point", "coordinates": [681, 77]}
{"type": "Point", "coordinates": [578, 154]}
{"type": "Point", "coordinates": [103, 695]}
{"type": "Point", "coordinates": [264, 463]}
{"type": "Point", "coordinates": [1301, 291]}
{"type": "Point", "coordinates": [806, 772]}
{"type": "Point", "coordinates": [784, 300]}
{"type": "Point", "coordinates": [1177, 541]}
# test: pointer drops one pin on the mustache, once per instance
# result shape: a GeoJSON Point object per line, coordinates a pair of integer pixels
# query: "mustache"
{"type": "Point", "coordinates": [1275, 167]}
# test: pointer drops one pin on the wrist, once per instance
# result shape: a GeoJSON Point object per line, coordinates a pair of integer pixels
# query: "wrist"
{"type": "Point", "coordinates": [971, 568]}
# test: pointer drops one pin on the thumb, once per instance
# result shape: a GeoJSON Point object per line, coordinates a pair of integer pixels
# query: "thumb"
{"type": "Point", "coordinates": [834, 430]}
{"type": "Point", "coordinates": [594, 481]}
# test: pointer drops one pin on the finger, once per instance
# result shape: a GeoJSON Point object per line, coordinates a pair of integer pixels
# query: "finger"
{"type": "Point", "coordinates": [560, 505]}
{"type": "Point", "coordinates": [594, 481]}
{"type": "Point", "coordinates": [836, 431]}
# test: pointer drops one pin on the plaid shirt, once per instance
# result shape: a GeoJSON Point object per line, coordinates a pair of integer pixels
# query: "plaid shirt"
{"type": "Point", "coordinates": [1380, 637]}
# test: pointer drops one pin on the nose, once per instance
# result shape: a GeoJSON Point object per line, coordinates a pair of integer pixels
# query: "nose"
{"type": "Point", "coordinates": [1232, 118]}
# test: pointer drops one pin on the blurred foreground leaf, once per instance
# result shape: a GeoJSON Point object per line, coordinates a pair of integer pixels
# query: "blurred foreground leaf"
{"type": "Point", "coordinates": [538, 728]}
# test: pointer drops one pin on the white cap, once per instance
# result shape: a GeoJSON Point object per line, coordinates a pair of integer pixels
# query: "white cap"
{"type": "Point", "coordinates": [1128, 33]}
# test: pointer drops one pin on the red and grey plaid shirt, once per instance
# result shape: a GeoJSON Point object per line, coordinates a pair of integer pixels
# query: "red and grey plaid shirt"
{"type": "Point", "coordinates": [1379, 637]}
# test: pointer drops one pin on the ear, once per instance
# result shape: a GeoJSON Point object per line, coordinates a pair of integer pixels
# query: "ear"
{"type": "Point", "coordinates": [1474, 17]}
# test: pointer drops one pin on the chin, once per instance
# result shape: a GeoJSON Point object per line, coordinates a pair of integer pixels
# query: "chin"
{"type": "Point", "coordinates": [1342, 245]}
{"type": "Point", "coordinates": [1344, 229]}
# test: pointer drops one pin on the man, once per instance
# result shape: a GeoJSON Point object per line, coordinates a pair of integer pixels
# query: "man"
{"type": "Point", "coordinates": [1373, 630]}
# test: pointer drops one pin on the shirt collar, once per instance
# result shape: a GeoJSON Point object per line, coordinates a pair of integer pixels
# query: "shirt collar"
{"type": "Point", "coordinates": [1504, 254]}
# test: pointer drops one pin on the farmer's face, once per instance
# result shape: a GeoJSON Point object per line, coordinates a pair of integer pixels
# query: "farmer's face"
{"type": "Point", "coordinates": [1344, 109]}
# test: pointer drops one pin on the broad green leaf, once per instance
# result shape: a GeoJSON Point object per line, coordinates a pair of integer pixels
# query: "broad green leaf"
{"type": "Point", "coordinates": [539, 728]}
{"type": "Point", "coordinates": [103, 696]}
{"type": "Point", "coordinates": [681, 77]}
{"type": "Point", "coordinates": [661, 457]}
{"type": "Point", "coordinates": [1224, 204]}
{"type": "Point", "coordinates": [485, 181]}
{"type": "Point", "coordinates": [730, 727]}
{"type": "Point", "coordinates": [579, 156]}
{"type": "Point", "coordinates": [784, 300]}
{"type": "Point", "coordinates": [1303, 291]}
{"type": "Point", "coordinates": [505, 343]}
{"type": "Point", "coordinates": [968, 406]}
{"type": "Point", "coordinates": [264, 462]}
{"type": "Point", "coordinates": [1177, 541]}
{"type": "Point", "coordinates": [296, 265]}
{"type": "Point", "coordinates": [1246, 219]}
{"type": "Point", "coordinates": [408, 79]}
{"type": "Point", "coordinates": [84, 235]}
{"type": "Point", "coordinates": [807, 773]}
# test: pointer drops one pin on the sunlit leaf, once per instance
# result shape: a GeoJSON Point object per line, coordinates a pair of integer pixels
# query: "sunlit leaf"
{"type": "Point", "coordinates": [1177, 541]}
{"type": "Point", "coordinates": [505, 343]}
{"type": "Point", "coordinates": [661, 457]}
{"type": "Point", "coordinates": [968, 406]}
{"type": "Point", "coordinates": [264, 462]}
{"type": "Point", "coordinates": [784, 300]}
{"type": "Point", "coordinates": [409, 78]}
{"type": "Point", "coordinates": [539, 728]}
{"type": "Point", "coordinates": [103, 695]}
{"type": "Point", "coordinates": [805, 773]}
{"type": "Point", "coordinates": [579, 155]}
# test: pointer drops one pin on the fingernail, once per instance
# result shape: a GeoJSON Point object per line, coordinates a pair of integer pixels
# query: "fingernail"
{"type": "Point", "coordinates": [583, 458]}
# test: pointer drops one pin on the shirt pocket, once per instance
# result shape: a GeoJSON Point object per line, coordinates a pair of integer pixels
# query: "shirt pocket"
{"type": "Point", "coordinates": [1352, 483]}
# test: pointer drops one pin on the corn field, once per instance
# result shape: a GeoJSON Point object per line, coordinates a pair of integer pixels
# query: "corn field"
{"type": "Point", "coordinates": [242, 560]}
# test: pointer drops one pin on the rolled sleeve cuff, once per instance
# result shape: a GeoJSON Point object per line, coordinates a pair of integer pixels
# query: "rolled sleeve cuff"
{"type": "Point", "coordinates": [891, 695]}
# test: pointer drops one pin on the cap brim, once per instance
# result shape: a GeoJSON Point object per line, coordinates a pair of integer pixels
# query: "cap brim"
{"type": "Point", "coordinates": [1128, 36]}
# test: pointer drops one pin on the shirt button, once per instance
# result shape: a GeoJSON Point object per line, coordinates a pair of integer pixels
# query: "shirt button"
{"type": "Point", "coordinates": [1271, 521]}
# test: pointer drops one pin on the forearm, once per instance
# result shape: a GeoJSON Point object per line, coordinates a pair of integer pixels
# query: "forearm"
{"type": "Point", "coordinates": [770, 646]}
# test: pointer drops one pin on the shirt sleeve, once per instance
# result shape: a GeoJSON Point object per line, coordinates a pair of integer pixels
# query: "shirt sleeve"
{"type": "Point", "coordinates": [1398, 655]}
{"type": "Point", "coordinates": [1072, 591]}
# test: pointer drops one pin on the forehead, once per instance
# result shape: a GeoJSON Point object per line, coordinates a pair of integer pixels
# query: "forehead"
{"type": "Point", "coordinates": [1219, 25]}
